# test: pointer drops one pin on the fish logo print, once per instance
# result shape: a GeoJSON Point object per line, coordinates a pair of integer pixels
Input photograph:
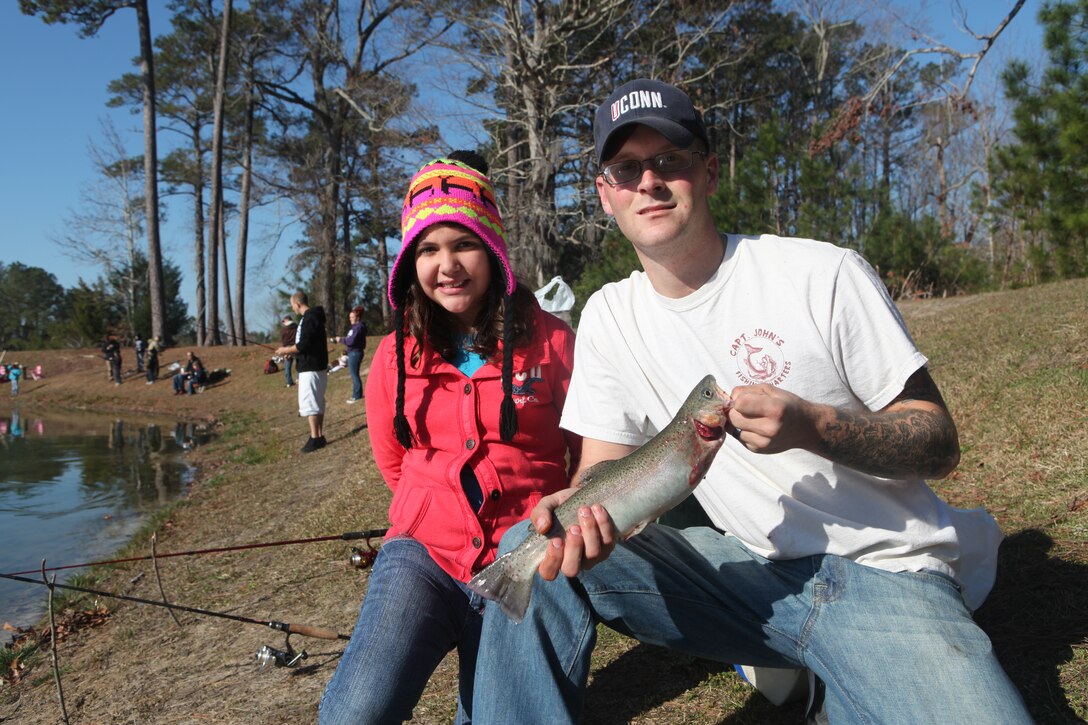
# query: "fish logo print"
{"type": "Point", "coordinates": [760, 357]}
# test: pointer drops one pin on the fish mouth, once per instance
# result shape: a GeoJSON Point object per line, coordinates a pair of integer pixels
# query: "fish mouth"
{"type": "Point", "coordinates": [708, 432]}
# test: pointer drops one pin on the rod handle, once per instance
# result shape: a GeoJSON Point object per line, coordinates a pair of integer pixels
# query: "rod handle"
{"type": "Point", "coordinates": [307, 630]}
{"type": "Point", "coordinates": [368, 534]}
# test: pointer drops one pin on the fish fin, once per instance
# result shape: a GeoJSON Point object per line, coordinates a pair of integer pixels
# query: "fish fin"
{"type": "Point", "coordinates": [501, 583]}
{"type": "Point", "coordinates": [637, 530]}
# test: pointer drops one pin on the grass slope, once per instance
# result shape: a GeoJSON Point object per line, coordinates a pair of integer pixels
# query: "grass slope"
{"type": "Point", "coordinates": [1014, 370]}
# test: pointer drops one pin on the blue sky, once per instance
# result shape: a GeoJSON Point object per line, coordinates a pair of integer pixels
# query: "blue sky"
{"type": "Point", "coordinates": [54, 92]}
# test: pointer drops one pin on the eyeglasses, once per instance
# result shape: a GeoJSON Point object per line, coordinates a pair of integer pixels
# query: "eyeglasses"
{"type": "Point", "coordinates": [669, 162]}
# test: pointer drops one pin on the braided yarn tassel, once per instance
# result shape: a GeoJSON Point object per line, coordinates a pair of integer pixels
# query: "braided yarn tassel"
{"type": "Point", "coordinates": [400, 421]}
{"type": "Point", "coordinates": [508, 415]}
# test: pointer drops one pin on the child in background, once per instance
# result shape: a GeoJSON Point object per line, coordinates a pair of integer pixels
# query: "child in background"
{"type": "Point", "coordinates": [14, 374]}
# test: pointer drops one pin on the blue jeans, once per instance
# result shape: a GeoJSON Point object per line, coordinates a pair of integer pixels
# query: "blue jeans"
{"type": "Point", "coordinates": [287, 362]}
{"type": "Point", "coordinates": [889, 647]}
{"type": "Point", "coordinates": [413, 614]}
{"type": "Point", "coordinates": [355, 359]}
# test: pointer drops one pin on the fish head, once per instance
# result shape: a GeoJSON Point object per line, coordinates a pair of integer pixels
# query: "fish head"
{"type": "Point", "coordinates": [708, 408]}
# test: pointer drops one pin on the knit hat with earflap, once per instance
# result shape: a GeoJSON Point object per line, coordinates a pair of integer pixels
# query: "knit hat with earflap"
{"type": "Point", "coordinates": [453, 190]}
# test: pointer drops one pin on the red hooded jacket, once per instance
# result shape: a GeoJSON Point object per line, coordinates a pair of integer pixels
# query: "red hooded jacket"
{"type": "Point", "coordinates": [455, 420]}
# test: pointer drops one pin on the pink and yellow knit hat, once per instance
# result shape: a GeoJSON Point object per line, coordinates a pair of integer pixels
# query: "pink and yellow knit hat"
{"type": "Point", "coordinates": [453, 189]}
{"type": "Point", "coordinates": [447, 190]}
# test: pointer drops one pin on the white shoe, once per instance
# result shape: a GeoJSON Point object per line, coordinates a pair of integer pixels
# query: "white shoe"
{"type": "Point", "coordinates": [353, 401]}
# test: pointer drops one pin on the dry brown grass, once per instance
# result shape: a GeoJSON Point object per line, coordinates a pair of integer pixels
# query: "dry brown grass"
{"type": "Point", "coordinates": [1013, 367]}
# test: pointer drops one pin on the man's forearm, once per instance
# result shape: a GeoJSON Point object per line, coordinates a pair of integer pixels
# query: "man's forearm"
{"type": "Point", "coordinates": [901, 444]}
{"type": "Point", "coordinates": [913, 436]}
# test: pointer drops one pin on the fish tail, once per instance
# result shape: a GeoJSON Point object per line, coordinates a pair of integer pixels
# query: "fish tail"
{"type": "Point", "coordinates": [504, 584]}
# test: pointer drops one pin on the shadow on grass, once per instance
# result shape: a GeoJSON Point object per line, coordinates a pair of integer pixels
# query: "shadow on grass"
{"type": "Point", "coordinates": [1035, 616]}
{"type": "Point", "coordinates": [646, 676]}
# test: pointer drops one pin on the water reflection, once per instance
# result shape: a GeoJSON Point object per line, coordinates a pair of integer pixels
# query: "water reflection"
{"type": "Point", "coordinates": [74, 487]}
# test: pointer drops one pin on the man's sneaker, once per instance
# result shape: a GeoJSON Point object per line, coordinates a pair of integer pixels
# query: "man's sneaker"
{"type": "Point", "coordinates": [312, 445]}
{"type": "Point", "coordinates": [353, 401]}
{"type": "Point", "coordinates": [321, 443]}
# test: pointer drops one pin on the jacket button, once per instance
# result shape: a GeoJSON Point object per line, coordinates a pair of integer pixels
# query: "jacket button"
{"type": "Point", "coordinates": [495, 495]}
{"type": "Point", "coordinates": [468, 388]}
{"type": "Point", "coordinates": [476, 543]}
{"type": "Point", "coordinates": [470, 444]}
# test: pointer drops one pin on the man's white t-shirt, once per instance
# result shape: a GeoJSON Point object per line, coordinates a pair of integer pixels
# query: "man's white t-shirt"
{"type": "Point", "coordinates": [810, 318]}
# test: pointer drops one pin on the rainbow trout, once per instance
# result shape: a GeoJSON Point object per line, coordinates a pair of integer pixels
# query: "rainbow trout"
{"type": "Point", "coordinates": [635, 490]}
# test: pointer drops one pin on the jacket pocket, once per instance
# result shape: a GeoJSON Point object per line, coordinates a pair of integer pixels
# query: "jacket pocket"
{"type": "Point", "coordinates": [409, 507]}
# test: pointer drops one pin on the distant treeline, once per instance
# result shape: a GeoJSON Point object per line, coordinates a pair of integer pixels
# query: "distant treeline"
{"type": "Point", "coordinates": [38, 313]}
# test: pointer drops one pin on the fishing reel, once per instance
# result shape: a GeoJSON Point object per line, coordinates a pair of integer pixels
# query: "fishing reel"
{"type": "Point", "coordinates": [268, 655]}
{"type": "Point", "coordinates": [361, 559]}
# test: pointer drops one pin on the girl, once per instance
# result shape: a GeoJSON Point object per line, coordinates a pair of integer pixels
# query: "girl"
{"type": "Point", "coordinates": [355, 345]}
{"type": "Point", "coordinates": [463, 402]}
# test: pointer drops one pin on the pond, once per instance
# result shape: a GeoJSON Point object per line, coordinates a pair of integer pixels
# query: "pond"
{"type": "Point", "coordinates": [74, 487]}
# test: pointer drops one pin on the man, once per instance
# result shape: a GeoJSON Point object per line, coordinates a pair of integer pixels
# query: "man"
{"type": "Point", "coordinates": [829, 552]}
{"type": "Point", "coordinates": [140, 347]}
{"type": "Point", "coordinates": [288, 330]}
{"type": "Point", "coordinates": [111, 350]}
{"type": "Point", "coordinates": [311, 363]}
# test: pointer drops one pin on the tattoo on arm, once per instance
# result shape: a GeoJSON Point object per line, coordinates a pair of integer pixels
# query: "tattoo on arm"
{"type": "Point", "coordinates": [896, 443]}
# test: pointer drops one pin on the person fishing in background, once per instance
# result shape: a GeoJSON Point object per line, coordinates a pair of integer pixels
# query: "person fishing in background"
{"type": "Point", "coordinates": [288, 329]}
{"type": "Point", "coordinates": [463, 401]}
{"type": "Point", "coordinates": [111, 350]}
{"type": "Point", "coordinates": [139, 346]}
{"type": "Point", "coordinates": [825, 551]}
{"type": "Point", "coordinates": [154, 349]}
{"type": "Point", "coordinates": [14, 373]}
{"type": "Point", "coordinates": [355, 346]}
{"type": "Point", "coordinates": [312, 358]}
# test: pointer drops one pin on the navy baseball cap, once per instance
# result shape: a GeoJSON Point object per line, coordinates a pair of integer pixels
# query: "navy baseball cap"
{"type": "Point", "coordinates": [664, 108]}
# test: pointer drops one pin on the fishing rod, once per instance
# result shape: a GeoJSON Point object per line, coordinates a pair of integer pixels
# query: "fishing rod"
{"type": "Point", "coordinates": [305, 630]}
{"type": "Point", "coordinates": [357, 559]}
{"type": "Point", "coordinates": [245, 340]}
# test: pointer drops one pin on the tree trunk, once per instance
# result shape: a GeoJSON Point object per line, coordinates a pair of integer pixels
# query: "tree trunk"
{"type": "Point", "coordinates": [243, 212]}
{"type": "Point", "coordinates": [346, 278]}
{"type": "Point", "coordinates": [155, 284]}
{"type": "Point", "coordinates": [216, 223]}
{"type": "Point", "coordinates": [198, 241]}
{"type": "Point", "coordinates": [232, 334]}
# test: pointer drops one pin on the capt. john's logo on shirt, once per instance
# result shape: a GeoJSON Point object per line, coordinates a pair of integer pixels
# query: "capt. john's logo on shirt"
{"type": "Point", "coordinates": [760, 357]}
{"type": "Point", "coordinates": [522, 386]}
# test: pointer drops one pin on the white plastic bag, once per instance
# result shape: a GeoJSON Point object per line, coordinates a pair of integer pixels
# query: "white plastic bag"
{"type": "Point", "coordinates": [561, 299]}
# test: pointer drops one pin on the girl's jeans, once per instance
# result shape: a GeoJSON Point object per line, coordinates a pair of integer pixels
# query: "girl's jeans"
{"type": "Point", "coordinates": [355, 359]}
{"type": "Point", "coordinates": [412, 615]}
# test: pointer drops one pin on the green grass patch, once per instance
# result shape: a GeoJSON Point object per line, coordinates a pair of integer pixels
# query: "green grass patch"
{"type": "Point", "coordinates": [256, 454]}
{"type": "Point", "coordinates": [12, 655]}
